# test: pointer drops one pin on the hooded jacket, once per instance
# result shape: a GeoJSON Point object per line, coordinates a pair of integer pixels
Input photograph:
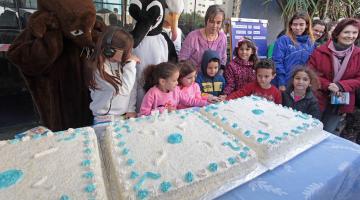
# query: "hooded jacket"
{"type": "Point", "coordinates": [210, 85]}
{"type": "Point", "coordinates": [309, 104]}
{"type": "Point", "coordinates": [286, 55]}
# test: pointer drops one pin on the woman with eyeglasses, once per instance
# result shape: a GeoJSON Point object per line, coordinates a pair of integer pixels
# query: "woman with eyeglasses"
{"type": "Point", "coordinates": [319, 30]}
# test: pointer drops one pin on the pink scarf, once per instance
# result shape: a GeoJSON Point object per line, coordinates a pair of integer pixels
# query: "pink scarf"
{"type": "Point", "coordinates": [339, 69]}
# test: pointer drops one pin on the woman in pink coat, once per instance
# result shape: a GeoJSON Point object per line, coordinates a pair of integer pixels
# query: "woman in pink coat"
{"type": "Point", "coordinates": [337, 64]}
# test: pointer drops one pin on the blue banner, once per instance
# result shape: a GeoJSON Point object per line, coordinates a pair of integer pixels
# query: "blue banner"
{"type": "Point", "coordinates": [255, 29]}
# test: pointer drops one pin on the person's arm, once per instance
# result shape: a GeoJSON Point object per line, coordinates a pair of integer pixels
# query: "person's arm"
{"type": "Point", "coordinates": [277, 96]}
{"type": "Point", "coordinates": [351, 84]}
{"type": "Point", "coordinates": [188, 101]}
{"type": "Point", "coordinates": [186, 48]}
{"type": "Point", "coordinates": [223, 44]}
{"type": "Point", "coordinates": [147, 103]}
{"type": "Point", "coordinates": [314, 109]}
{"type": "Point", "coordinates": [38, 46]}
{"type": "Point", "coordinates": [230, 79]}
{"type": "Point", "coordinates": [278, 57]}
{"type": "Point", "coordinates": [128, 78]}
{"type": "Point", "coordinates": [313, 64]}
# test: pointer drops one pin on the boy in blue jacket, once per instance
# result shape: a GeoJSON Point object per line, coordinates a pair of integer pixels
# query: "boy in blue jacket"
{"type": "Point", "coordinates": [209, 79]}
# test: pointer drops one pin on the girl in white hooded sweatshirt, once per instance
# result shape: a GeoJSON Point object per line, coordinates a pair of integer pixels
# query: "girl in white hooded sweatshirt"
{"type": "Point", "coordinates": [113, 76]}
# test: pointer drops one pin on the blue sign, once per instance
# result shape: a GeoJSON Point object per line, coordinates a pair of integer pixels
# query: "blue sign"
{"type": "Point", "coordinates": [255, 29]}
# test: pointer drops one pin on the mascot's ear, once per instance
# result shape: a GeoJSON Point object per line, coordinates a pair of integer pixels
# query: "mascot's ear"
{"type": "Point", "coordinates": [41, 21]}
{"type": "Point", "coordinates": [99, 28]}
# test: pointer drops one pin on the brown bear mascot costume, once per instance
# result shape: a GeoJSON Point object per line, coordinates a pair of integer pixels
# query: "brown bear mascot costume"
{"type": "Point", "coordinates": [51, 54]}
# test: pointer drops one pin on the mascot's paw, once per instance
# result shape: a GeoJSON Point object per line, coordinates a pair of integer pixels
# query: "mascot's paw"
{"type": "Point", "coordinates": [41, 22]}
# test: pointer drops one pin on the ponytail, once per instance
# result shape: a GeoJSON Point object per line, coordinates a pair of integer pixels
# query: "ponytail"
{"type": "Point", "coordinates": [153, 73]}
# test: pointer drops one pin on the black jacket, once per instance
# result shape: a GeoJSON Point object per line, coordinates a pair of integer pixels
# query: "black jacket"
{"type": "Point", "coordinates": [308, 104]}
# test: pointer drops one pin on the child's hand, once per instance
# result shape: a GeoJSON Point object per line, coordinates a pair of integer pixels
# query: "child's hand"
{"type": "Point", "coordinates": [213, 99]}
{"type": "Point", "coordinates": [171, 108]}
{"type": "Point", "coordinates": [134, 58]}
{"type": "Point", "coordinates": [222, 97]}
{"type": "Point", "coordinates": [282, 88]}
{"type": "Point", "coordinates": [130, 115]}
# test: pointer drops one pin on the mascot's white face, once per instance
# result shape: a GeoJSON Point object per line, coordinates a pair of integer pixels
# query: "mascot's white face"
{"type": "Point", "coordinates": [149, 16]}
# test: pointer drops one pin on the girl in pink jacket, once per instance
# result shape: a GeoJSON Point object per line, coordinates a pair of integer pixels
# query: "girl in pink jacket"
{"type": "Point", "coordinates": [189, 87]}
{"type": "Point", "coordinates": [163, 92]}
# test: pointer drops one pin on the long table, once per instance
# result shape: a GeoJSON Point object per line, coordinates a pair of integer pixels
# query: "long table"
{"type": "Point", "coordinates": [328, 171]}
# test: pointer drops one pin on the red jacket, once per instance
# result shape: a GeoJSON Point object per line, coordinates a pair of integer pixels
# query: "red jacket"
{"type": "Point", "coordinates": [253, 88]}
{"type": "Point", "coordinates": [321, 62]}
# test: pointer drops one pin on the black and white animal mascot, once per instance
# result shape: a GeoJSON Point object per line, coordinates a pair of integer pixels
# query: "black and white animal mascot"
{"type": "Point", "coordinates": [150, 45]}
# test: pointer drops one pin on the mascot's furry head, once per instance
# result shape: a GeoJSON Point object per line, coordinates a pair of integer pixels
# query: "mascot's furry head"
{"type": "Point", "coordinates": [149, 16]}
{"type": "Point", "coordinates": [75, 18]}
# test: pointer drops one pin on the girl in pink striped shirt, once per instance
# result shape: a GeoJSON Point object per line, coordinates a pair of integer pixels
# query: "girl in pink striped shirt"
{"type": "Point", "coordinates": [163, 92]}
{"type": "Point", "coordinates": [189, 87]}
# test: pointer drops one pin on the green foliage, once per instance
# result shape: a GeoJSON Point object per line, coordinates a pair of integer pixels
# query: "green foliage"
{"type": "Point", "coordinates": [187, 23]}
{"type": "Point", "coordinates": [325, 9]}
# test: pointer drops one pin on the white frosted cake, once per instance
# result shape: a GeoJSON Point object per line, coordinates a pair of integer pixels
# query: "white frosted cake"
{"type": "Point", "coordinates": [178, 155]}
{"type": "Point", "coordinates": [62, 166]}
{"type": "Point", "coordinates": [274, 132]}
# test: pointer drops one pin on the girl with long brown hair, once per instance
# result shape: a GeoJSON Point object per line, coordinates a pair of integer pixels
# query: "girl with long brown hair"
{"type": "Point", "coordinates": [293, 48]}
{"type": "Point", "coordinates": [112, 74]}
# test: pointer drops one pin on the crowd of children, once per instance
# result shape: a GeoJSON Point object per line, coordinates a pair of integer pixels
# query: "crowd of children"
{"type": "Point", "coordinates": [286, 79]}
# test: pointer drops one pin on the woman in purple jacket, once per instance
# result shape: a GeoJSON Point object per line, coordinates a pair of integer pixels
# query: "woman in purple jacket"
{"type": "Point", "coordinates": [211, 37]}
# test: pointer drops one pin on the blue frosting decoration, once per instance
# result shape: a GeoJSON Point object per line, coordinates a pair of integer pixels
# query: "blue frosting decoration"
{"type": "Point", "coordinates": [134, 175]}
{"type": "Point", "coordinates": [254, 98]}
{"type": "Point", "coordinates": [118, 136]}
{"type": "Point", "coordinates": [85, 163]}
{"type": "Point", "coordinates": [232, 160]}
{"type": "Point", "coordinates": [235, 148]}
{"type": "Point", "coordinates": [71, 137]}
{"type": "Point", "coordinates": [147, 175]}
{"type": "Point", "coordinates": [87, 151]}
{"type": "Point", "coordinates": [213, 167]}
{"type": "Point", "coordinates": [303, 116]}
{"type": "Point", "coordinates": [117, 129]}
{"type": "Point", "coordinates": [247, 133]}
{"type": "Point", "coordinates": [125, 152]}
{"type": "Point", "coordinates": [235, 125]}
{"type": "Point", "coordinates": [174, 138]}
{"type": "Point", "coordinates": [223, 120]}
{"type": "Point", "coordinates": [243, 155]}
{"type": "Point", "coordinates": [10, 177]}
{"type": "Point", "coordinates": [64, 197]}
{"type": "Point", "coordinates": [257, 111]}
{"type": "Point", "coordinates": [265, 136]}
{"type": "Point", "coordinates": [36, 136]}
{"type": "Point", "coordinates": [165, 186]}
{"type": "Point", "coordinates": [189, 177]}
{"type": "Point", "coordinates": [130, 162]}
{"type": "Point", "coordinates": [14, 141]}
{"type": "Point", "coordinates": [246, 149]}
{"type": "Point", "coordinates": [86, 142]}
{"type": "Point", "coordinates": [90, 188]}
{"type": "Point", "coordinates": [142, 194]}
{"type": "Point", "coordinates": [88, 175]}
{"type": "Point", "coordinates": [121, 144]}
